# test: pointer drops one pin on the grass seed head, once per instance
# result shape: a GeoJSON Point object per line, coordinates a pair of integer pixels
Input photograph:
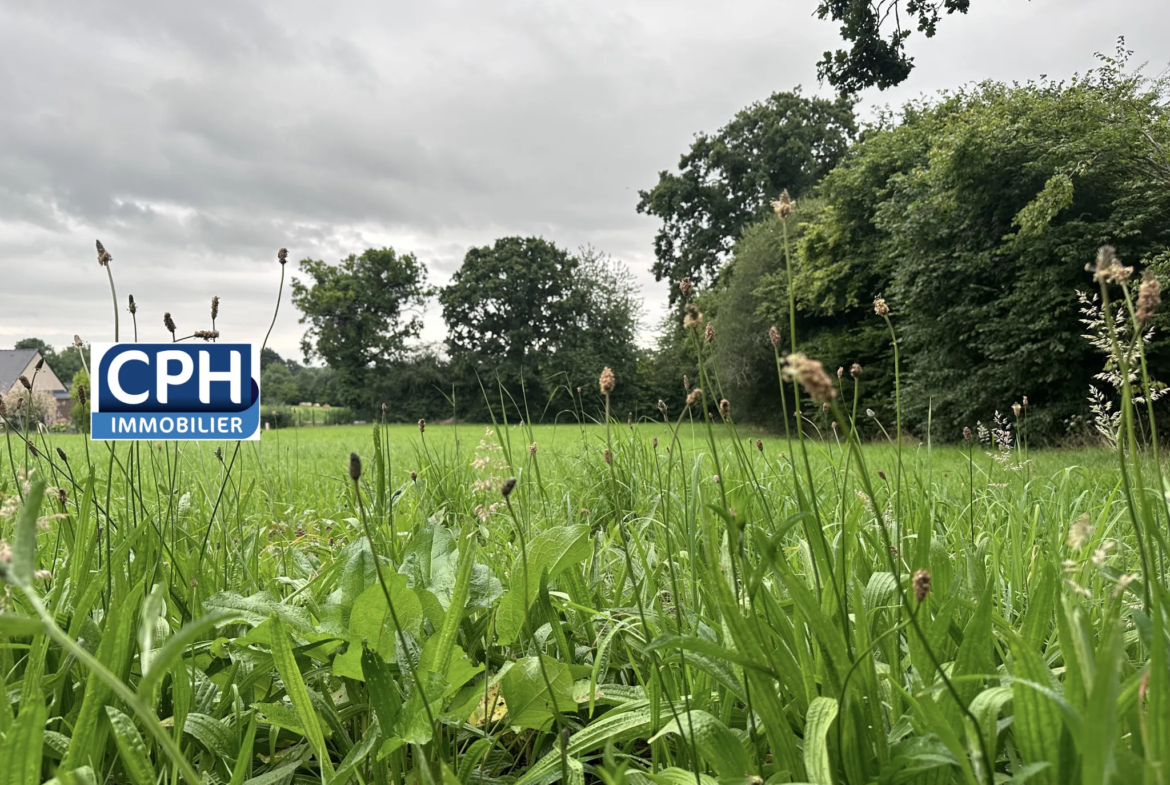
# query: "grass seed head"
{"type": "Point", "coordinates": [81, 396]}
{"type": "Point", "coordinates": [62, 496]}
{"type": "Point", "coordinates": [692, 317]}
{"type": "Point", "coordinates": [810, 374]}
{"type": "Point", "coordinates": [725, 409]}
{"type": "Point", "coordinates": [214, 307]}
{"type": "Point", "coordinates": [24, 381]}
{"type": "Point", "coordinates": [103, 258]}
{"type": "Point", "coordinates": [760, 445]}
{"type": "Point", "coordinates": [282, 256]}
{"type": "Point", "coordinates": [662, 408]}
{"type": "Point", "coordinates": [694, 397]}
{"type": "Point", "coordinates": [966, 434]}
{"type": "Point", "coordinates": [532, 449]}
{"type": "Point", "coordinates": [855, 370]}
{"type": "Point", "coordinates": [686, 287]}
{"type": "Point", "coordinates": [1080, 532]}
{"type": "Point", "coordinates": [774, 335]}
{"type": "Point", "coordinates": [1109, 268]}
{"type": "Point", "coordinates": [355, 467]}
{"type": "Point", "coordinates": [422, 426]}
{"type": "Point", "coordinates": [606, 381]}
{"type": "Point", "coordinates": [1016, 409]}
{"type": "Point", "coordinates": [880, 307]}
{"type": "Point", "coordinates": [169, 323]}
{"type": "Point", "coordinates": [206, 335]}
{"type": "Point", "coordinates": [414, 476]}
{"type": "Point", "coordinates": [508, 486]}
{"type": "Point", "coordinates": [61, 455]}
{"type": "Point", "coordinates": [133, 309]}
{"type": "Point", "coordinates": [77, 344]}
{"type": "Point", "coordinates": [608, 456]}
{"type": "Point", "coordinates": [1149, 297]}
{"type": "Point", "coordinates": [921, 585]}
{"type": "Point", "coordinates": [784, 206]}
{"type": "Point", "coordinates": [709, 334]}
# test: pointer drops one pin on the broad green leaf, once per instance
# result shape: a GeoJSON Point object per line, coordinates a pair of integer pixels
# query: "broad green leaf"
{"type": "Point", "coordinates": [256, 609]}
{"type": "Point", "coordinates": [1099, 739]}
{"type": "Point", "coordinates": [527, 695]}
{"type": "Point", "coordinates": [1037, 724]}
{"type": "Point", "coordinates": [716, 743]}
{"type": "Point", "coordinates": [211, 733]}
{"type": "Point", "coordinates": [357, 754]}
{"type": "Point", "coordinates": [631, 722]}
{"type": "Point", "coordinates": [440, 659]}
{"type": "Point", "coordinates": [20, 751]}
{"type": "Point", "coordinates": [87, 746]}
{"type": "Point", "coordinates": [244, 756]}
{"type": "Point", "coordinates": [821, 713]}
{"type": "Point", "coordinates": [172, 651]}
{"type": "Point", "coordinates": [280, 715]}
{"type": "Point", "coordinates": [371, 624]}
{"type": "Point", "coordinates": [294, 685]}
{"type": "Point", "coordinates": [131, 748]}
{"type": "Point", "coordinates": [79, 776]}
{"type": "Point", "coordinates": [24, 544]}
{"type": "Point", "coordinates": [151, 612]}
{"type": "Point", "coordinates": [553, 550]}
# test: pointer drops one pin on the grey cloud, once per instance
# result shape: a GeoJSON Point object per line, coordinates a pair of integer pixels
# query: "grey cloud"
{"type": "Point", "coordinates": [195, 139]}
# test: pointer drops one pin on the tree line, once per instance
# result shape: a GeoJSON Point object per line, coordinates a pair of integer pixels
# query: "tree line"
{"type": "Point", "coordinates": [973, 213]}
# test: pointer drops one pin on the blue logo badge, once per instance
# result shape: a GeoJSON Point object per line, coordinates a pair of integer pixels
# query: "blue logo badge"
{"type": "Point", "coordinates": [175, 391]}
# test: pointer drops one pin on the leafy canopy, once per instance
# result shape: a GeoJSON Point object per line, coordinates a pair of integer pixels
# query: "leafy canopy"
{"type": "Point", "coordinates": [361, 313]}
{"type": "Point", "coordinates": [876, 58]}
{"type": "Point", "coordinates": [975, 216]}
{"type": "Point", "coordinates": [725, 182]}
{"type": "Point", "coordinates": [533, 316]}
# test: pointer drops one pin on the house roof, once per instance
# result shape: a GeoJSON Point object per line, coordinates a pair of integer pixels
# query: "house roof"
{"type": "Point", "coordinates": [12, 364]}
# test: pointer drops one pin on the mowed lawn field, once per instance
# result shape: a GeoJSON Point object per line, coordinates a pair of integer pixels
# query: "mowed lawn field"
{"type": "Point", "coordinates": [661, 603]}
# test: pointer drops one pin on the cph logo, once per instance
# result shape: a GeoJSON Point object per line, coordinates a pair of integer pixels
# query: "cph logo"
{"type": "Point", "coordinates": [175, 391]}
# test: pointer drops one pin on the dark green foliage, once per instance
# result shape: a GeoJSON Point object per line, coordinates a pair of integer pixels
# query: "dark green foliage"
{"type": "Point", "coordinates": [975, 217]}
{"type": "Point", "coordinates": [361, 315]}
{"type": "Point", "coordinates": [726, 181]}
{"type": "Point", "coordinates": [874, 60]}
{"type": "Point", "coordinates": [277, 386]}
{"type": "Point", "coordinates": [538, 322]}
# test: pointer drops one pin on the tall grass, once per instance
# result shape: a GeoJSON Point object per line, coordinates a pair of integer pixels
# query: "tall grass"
{"type": "Point", "coordinates": [661, 603]}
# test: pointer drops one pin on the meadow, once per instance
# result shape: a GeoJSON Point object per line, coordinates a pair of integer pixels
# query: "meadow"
{"type": "Point", "coordinates": [661, 603]}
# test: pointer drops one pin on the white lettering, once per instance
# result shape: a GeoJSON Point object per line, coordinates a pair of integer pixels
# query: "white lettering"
{"type": "Point", "coordinates": [207, 376]}
{"type": "Point", "coordinates": [128, 425]}
{"type": "Point", "coordinates": [182, 425]}
{"type": "Point", "coordinates": [166, 425]}
{"type": "Point", "coordinates": [221, 425]}
{"type": "Point", "coordinates": [237, 425]}
{"type": "Point", "coordinates": [148, 424]}
{"type": "Point", "coordinates": [115, 384]}
{"type": "Point", "coordinates": [203, 425]}
{"type": "Point", "coordinates": [166, 378]}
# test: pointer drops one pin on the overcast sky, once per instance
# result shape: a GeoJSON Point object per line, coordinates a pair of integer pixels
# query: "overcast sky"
{"type": "Point", "coordinates": [195, 139]}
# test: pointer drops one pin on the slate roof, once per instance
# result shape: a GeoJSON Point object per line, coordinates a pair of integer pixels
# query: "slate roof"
{"type": "Point", "coordinates": [12, 363]}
